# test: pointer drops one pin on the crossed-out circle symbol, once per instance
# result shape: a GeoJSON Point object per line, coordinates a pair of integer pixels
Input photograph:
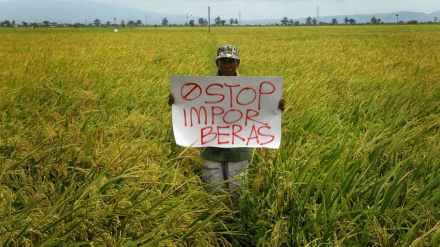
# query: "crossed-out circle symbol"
{"type": "Point", "coordinates": [190, 91]}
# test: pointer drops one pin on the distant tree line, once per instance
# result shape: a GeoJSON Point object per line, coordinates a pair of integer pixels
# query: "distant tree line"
{"type": "Point", "coordinates": [201, 21]}
{"type": "Point", "coordinates": [374, 21]}
{"type": "Point", "coordinates": [96, 23]}
{"type": "Point", "coordinates": [218, 21]}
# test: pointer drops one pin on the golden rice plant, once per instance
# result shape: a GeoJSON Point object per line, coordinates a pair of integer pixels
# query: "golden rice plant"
{"type": "Point", "coordinates": [87, 154]}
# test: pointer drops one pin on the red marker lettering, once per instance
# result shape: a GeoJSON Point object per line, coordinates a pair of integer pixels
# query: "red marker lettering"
{"type": "Point", "coordinates": [232, 116]}
{"type": "Point", "coordinates": [184, 118]}
{"type": "Point", "coordinates": [250, 116]}
{"type": "Point", "coordinates": [270, 89]}
{"type": "Point", "coordinates": [220, 134]}
{"type": "Point", "coordinates": [216, 111]}
{"type": "Point", "coordinates": [231, 95]}
{"type": "Point", "coordinates": [198, 113]}
{"type": "Point", "coordinates": [253, 135]}
{"type": "Point", "coordinates": [236, 129]}
{"type": "Point", "coordinates": [207, 136]}
{"type": "Point", "coordinates": [190, 91]}
{"type": "Point", "coordinates": [221, 96]}
{"type": "Point", "coordinates": [247, 91]}
{"type": "Point", "coordinates": [272, 137]}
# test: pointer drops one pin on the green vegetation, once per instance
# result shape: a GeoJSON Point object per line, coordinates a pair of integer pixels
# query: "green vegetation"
{"type": "Point", "coordinates": [87, 154]}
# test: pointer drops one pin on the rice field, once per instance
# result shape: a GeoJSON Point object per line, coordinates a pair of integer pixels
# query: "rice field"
{"type": "Point", "coordinates": [88, 158]}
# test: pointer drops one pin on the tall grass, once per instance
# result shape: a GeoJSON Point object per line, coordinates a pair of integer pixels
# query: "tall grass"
{"type": "Point", "coordinates": [87, 154]}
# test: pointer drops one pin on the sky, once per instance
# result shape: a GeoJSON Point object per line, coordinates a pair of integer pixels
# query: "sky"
{"type": "Point", "coordinates": [264, 9]}
{"type": "Point", "coordinates": [253, 9]}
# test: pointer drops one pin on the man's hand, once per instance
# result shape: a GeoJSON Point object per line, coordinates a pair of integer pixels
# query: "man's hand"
{"type": "Point", "coordinates": [281, 104]}
{"type": "Point", "coordinates": [171, 99]}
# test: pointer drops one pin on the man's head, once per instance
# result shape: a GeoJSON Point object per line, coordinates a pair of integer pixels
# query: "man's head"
{"type": "Point", "coordinates": [227, 60]}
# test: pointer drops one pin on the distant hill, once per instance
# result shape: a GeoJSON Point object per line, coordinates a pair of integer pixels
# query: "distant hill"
{"type": "Point", "coordinates": [87, 12]}
{"type": "Point", "coordinates": [404, 16]}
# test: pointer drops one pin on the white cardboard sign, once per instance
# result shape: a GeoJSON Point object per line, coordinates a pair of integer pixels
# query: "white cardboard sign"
{"type": "Point", "coordinates": [227, 111]}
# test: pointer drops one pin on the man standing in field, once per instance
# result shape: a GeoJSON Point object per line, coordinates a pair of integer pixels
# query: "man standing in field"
{"type": "Point", "coordinates": [225, 168]}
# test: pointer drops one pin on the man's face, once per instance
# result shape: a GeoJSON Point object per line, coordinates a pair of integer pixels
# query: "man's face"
{"type": "Point", "coordinates": [227, 66]}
